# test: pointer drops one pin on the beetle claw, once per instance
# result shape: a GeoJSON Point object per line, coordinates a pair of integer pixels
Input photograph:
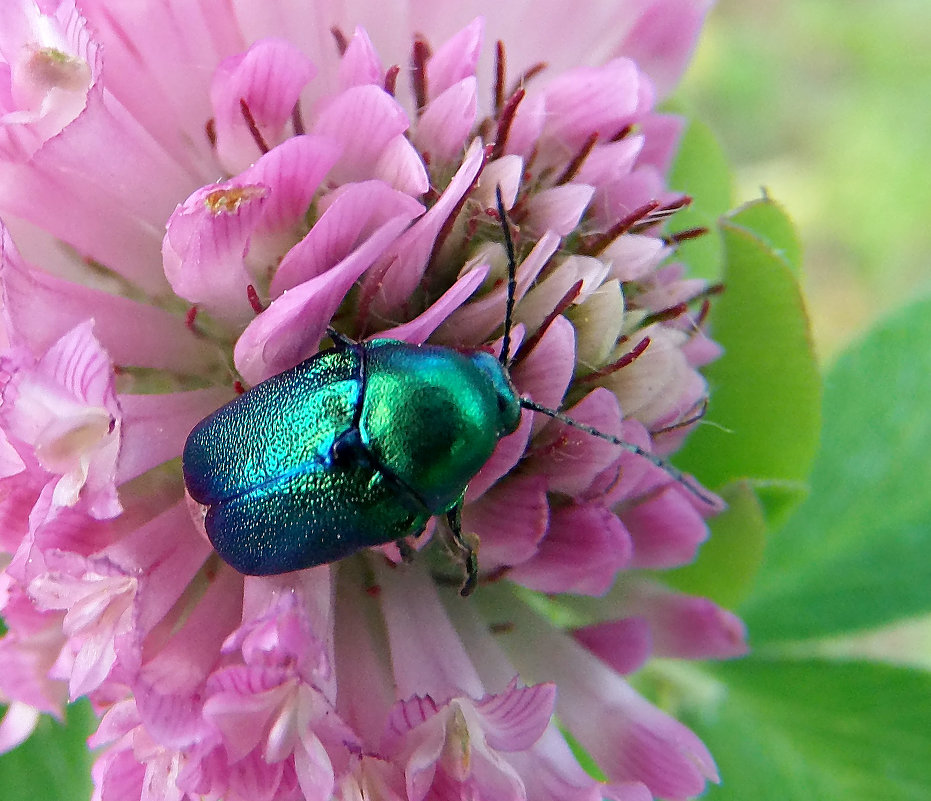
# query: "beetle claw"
{"type": "Point", "coordinates": [467, 550]}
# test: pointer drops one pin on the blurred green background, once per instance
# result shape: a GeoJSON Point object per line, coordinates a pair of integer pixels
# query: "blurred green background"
{"type": "Point", "coordinates": [826, 104]}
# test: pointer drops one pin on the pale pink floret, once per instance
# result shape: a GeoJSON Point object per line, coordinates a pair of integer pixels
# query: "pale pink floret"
{"type": "Point", "coordinates": [464, 744]}
{"type": "Point", "coordinates": [28, 652]}
{"type": "Point", "coordinates": [50, 62]}
{"type": "Point", "coordinates": [225, 237]}
{"type": "Point", "coordinates": [363, 679]}
{"type": "Point", "coordinates": [63, 408]}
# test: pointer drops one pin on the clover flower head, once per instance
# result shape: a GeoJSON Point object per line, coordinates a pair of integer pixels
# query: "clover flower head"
{"type": "Point", "coordinates": [191, 200]}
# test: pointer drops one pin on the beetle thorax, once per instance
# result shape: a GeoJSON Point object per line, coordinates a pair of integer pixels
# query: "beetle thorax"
{"type": "Point", "coordinates": [432, 416]}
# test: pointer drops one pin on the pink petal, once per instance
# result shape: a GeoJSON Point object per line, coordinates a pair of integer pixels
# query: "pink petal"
{"type": "Point", "coordinates": [254, 778]}
{"type": "Point", "coordinates": [476, 321]}
{"type": "Point", "coordinates": [663, 38]}
{"type": "Point", "coordinates": [571, 458]}
{"type": "Point", "coordinates": [241, 714]}
{"type": "Point", "coordinates": [627, 791]}
{"type": "Point", "coordinates": [118, 720]}
{"type": "Point", "coordinates": [456, 58]}
{"type": "Point", "coordinates": [650, 388]}
{"type": "Point", "coordinates": [360, 64]}
{"type": "Point", "coordinates": [630, 739]}
{"type": "Point", "coordinates": [364, 120]}
{"type": "Point", "coordinates": [558, 209]}
{"type": "Point", "coordinates": [686, 627]}
{"type": "Point", "coordinates": [52, 61]}
{"type": "Point", "coordinates": [171, 102]}
{"type": "Point", "coordinates": [445, 124]}
{"type": "Point", "coordinates": [366, 690]}
{"type": "Point", "coordinates": [66, 409]}
{"type": "Point", "coordinates": [401, 166]}
{"type": "Point", "coordinates": [290, 329]}
{"type": "Point", "coordinates": [545, 373]}
{"type": "Point", "coordinates": [543, 298]}
{"type": "Point", "coordinates": [421, 327]}
{"type": "Point", "coordinates": [100, 154]}
{"type": "Point", "coordinates": [314, 771]}
{"type": "Point", "coordinates": [583, 549]}
{"type": "Point", "coordinates": [516, 718]}
{"type": "Point", "coordinates": [205, 248]}
{"type": "Point", "coordinates": [408, 714]}
{"type": "Point", "coordinates": [171, 682]}
{"type": "Point", "coordinates": [427, 655]}
{"type": "Point", "coordinates": [80, 366]}
{"type": "Point", "coordinates": [223, 235]}
{"type": "Point", "coordinates": [550, 772]}
{"type": "Point", "coordinates": [661, 133]}
{"type": "Point", "coordinates": [610, 161]}
{"type": "Point", "coordinates": [288, 619]}
{"type": "Point", "coordinates": [701, 349]}
{"type": "Point", "coordinates": [156, 426]}
{"type": "Point", "coordinates": [292, 171]}
{"type": "Point", "coordinates": [504, 173]}
{"type": "Point", "coordinates": [593, 100]}
{"type": "Point", "coordinates": [10, 462]}
{"type": "Point", "coordinates": [24, 668]}
{"type": "Point", "coordinates": [527, 128]}
{"type": "Point", "coordinates": [390, 286]}
{"type": "Point", "coordinates": [510, 519]}
{"type": "Point", "coordinates": [666, 529]}
{"type": "Point", "coordinates": [421, 768]}
{"type": "Point", "coordinates": [269, 78]}
{"type": "Point", "coordinates": [631, 476]}
{"type": "Point", "coordinates": [165, 554]}
{"type": "Point", "coordinates": [351, 214]}
{"type": "Point", "coordinates": [633, 256]}
{"type": "Point", "coordinates": [41, 308]}
{"type": "Point", "coordinates": [506, 454]}
{"type": "Point", "coordinates": [119, 775]}
{"type": "Point", "coordinates": [625, 644]}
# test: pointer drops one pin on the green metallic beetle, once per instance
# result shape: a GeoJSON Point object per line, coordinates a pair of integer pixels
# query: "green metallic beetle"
{"type": "Point", "coordinates": [359, 445]}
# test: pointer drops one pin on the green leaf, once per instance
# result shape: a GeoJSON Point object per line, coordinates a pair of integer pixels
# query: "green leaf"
{"type": "Point", "coordinates": [729, 560]}
{"type": "Point", "coordinates": [702, 170]}
{"type": "Point", "coordinates": [769, 221]}
{"type": "Point", "coordinates": [763, 417]}
{"type": "Point", "coordinates": [815, 730]}
{"type": "Point", "coordinates": [54, 764]}
{"type": "Point", "coordinates": [856, 552]}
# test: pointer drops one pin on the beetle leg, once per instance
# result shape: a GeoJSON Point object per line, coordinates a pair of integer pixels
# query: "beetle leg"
{"type": "Point", "coordinates": [466, 551]}
{"type": "Point", "coordinates": [406, 550]}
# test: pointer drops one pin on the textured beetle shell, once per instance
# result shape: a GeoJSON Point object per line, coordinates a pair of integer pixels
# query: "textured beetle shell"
{"type": "Point", "coordinates": [416, 422]}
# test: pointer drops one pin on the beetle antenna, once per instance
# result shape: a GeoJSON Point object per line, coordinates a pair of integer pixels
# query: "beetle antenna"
{"type": "Point", "coordinates": [512, 277]}
{"type": "Point", "coordinates": [652, 458]}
